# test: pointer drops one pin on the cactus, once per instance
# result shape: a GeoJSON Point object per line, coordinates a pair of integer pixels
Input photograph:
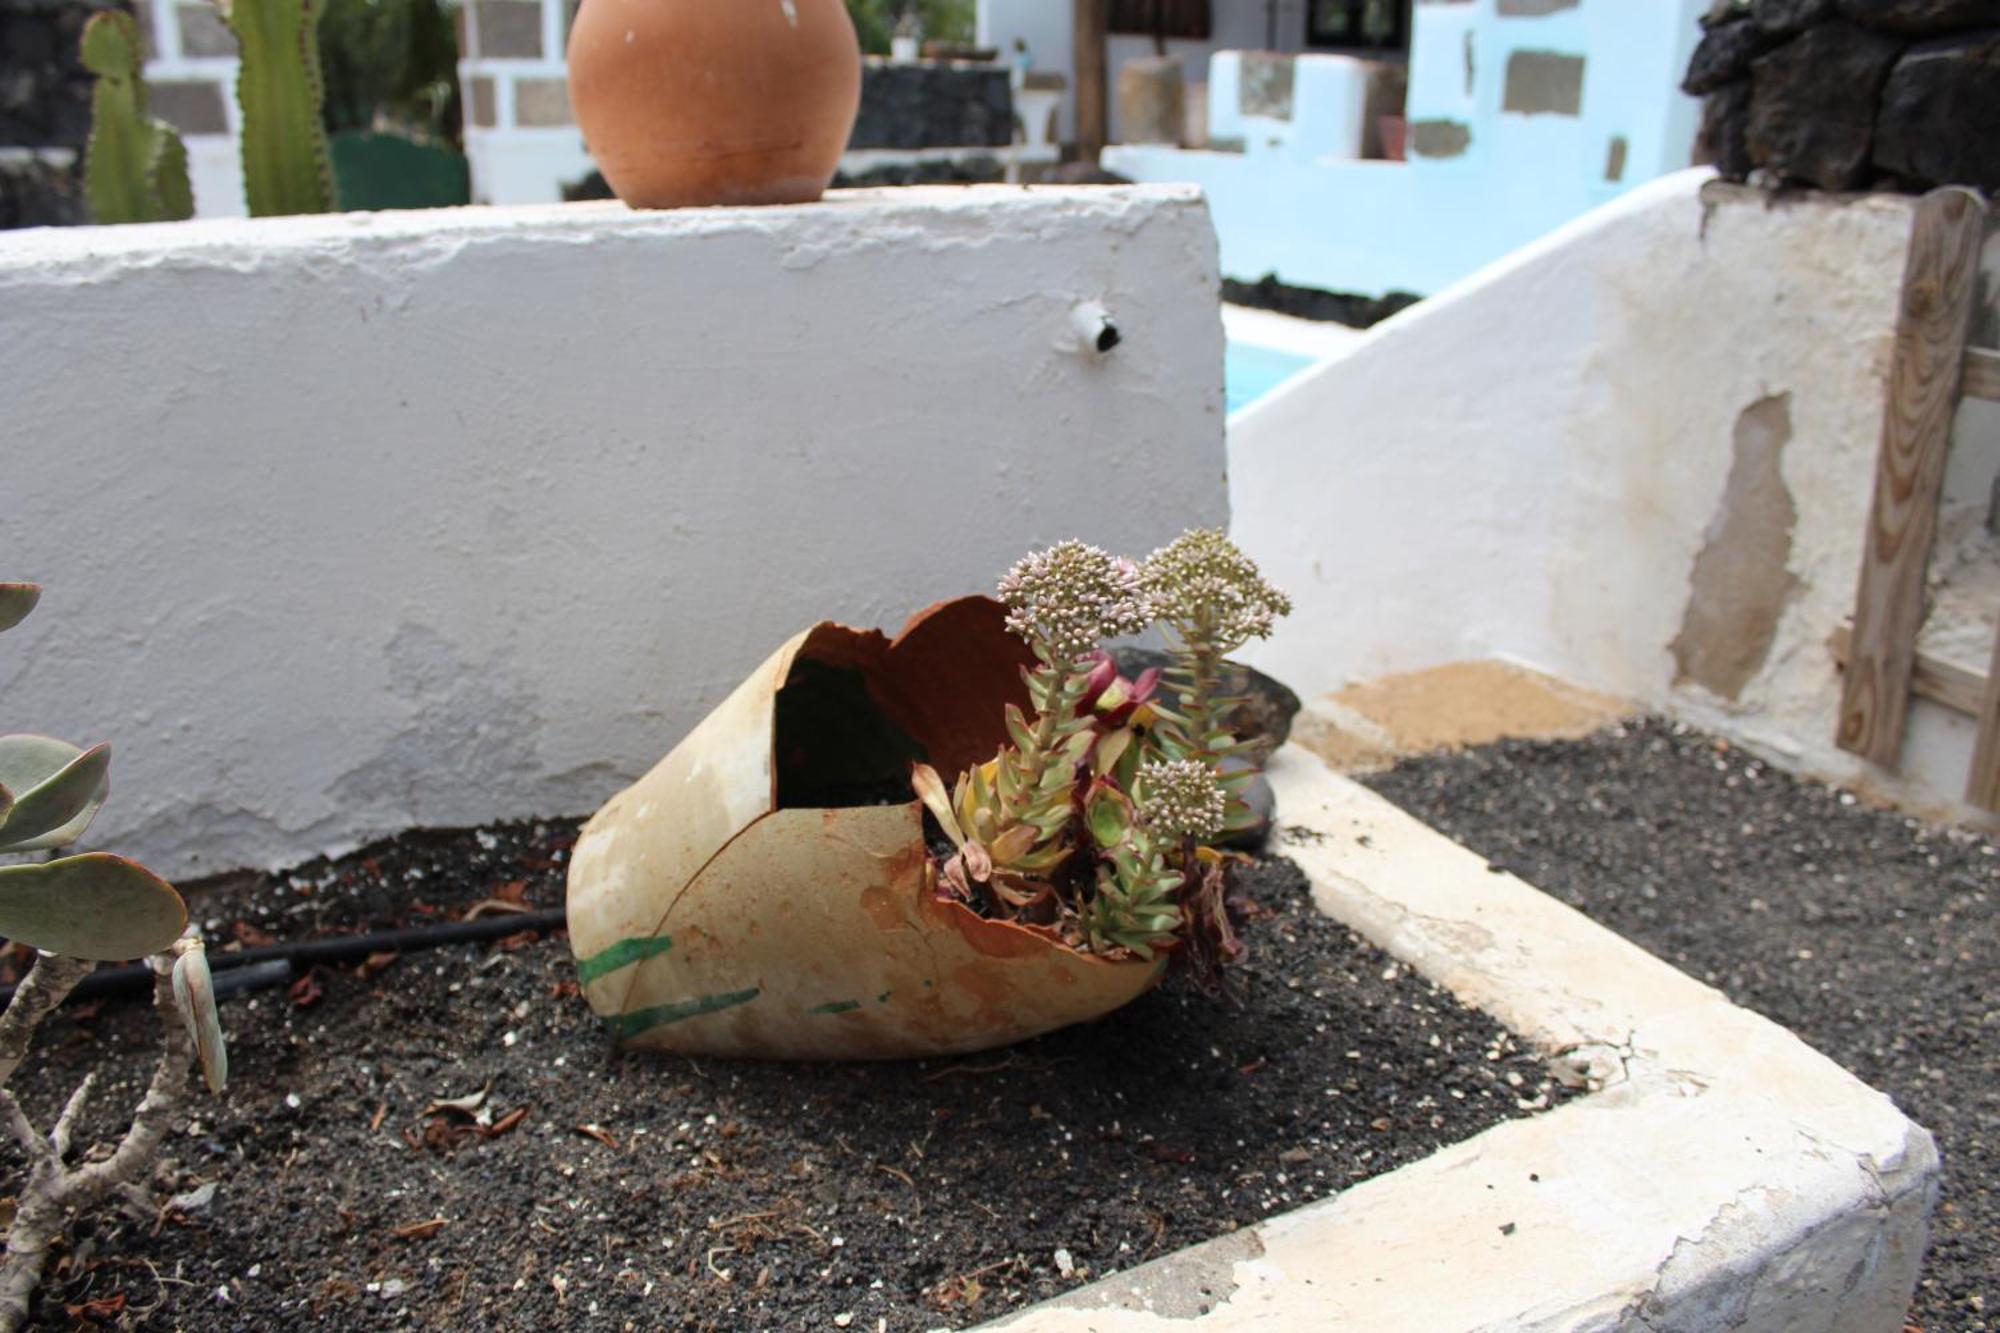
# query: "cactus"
{"type": "Point", "coordinates": [134, 167]}
{"type": "Point", "coordinates": [286, 164]}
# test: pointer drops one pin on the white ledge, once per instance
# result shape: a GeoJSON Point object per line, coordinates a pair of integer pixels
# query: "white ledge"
{"type": "Point", "coordinates": [1725, 1176]}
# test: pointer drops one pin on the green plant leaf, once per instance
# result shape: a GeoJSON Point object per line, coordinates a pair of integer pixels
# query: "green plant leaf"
{"type": "Point", "coordinates": [1110, 816]}
{"type": "Point", "coordinates": [57, 789]}
{"type": "Point", "coordinates": [96, 906]}
{"type": "Point", "coordinates": [16, 600]}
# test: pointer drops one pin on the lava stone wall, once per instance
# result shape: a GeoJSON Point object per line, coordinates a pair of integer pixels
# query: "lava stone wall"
{"type": "Point", "coordinates": [1848, 94]}
{"type": "Point", "coordinates": [44, 104]}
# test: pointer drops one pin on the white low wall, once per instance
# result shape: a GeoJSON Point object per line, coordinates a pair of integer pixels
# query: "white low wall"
{"type": "Point", "coordinates": [360, 522]}
{"type": "Point", "coordinates": [1531, 463]}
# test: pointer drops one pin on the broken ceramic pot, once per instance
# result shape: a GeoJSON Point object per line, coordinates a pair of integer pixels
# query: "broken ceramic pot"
{"type": "Point", "coordinates": [767, 890]}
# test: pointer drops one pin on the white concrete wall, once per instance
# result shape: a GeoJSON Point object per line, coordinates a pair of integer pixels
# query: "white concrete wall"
{"type": "Point", "coordinates": [1527, 464]}
{"type": "Point", "coordinates": [1417, 226]}
{"type": "Point", "coordinates": [355, 523]}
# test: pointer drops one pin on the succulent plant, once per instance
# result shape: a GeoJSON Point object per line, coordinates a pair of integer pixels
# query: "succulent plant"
{"type": "Point", "coordinates": [287, 167]}
{"type": "Point", "coordinates": [1096, 821]}
{"type": "Point", "coordinates": [1211, 600]}
{"type": "Point", "coordinates": [135, 168]}
{"type": "Point", "coordinates": [77, 909]}
{"type": "Point", "coordinates": [96, 905]}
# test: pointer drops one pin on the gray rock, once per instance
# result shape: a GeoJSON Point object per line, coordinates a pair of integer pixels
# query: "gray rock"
{"type": "Point", "coordinates": [1724, 55]}
{"type": "Point", "coordinates": [1939, 122]}
{"type": "Point", "coordinates": [1812, 111]}
{"type": "Point", "coordinates": [1922, 16]}
{"type": "Point", "coordinates": [1263, 802]}
{"type": "Point", "coordinates": [934, 105]}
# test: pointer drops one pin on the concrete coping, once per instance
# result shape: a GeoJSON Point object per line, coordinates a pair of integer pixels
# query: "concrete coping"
{"type": "Point", "coordinates": [860, 218]}
{"type": "Point", "coordinates": [1721, 1174]}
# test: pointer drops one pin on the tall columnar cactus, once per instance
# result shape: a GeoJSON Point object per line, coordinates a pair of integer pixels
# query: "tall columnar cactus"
{"type": "Point", "coordinates": [286, 164]}
{"type": "Point", "coordinates": [76, 909]}
{"type": "Point", "coordinates": [135, 167]}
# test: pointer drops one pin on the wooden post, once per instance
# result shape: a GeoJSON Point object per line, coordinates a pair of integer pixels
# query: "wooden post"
{"type": "Point", "coordinates": [1940, 281]}
{"type": "Point", "coordinates": [1093, 115]}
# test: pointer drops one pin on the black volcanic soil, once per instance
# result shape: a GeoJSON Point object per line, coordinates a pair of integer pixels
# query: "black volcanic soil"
{"type": "Point", "coordinates": [603, 1190]}
{"type": "Point", "coordinates": [1873, 936]}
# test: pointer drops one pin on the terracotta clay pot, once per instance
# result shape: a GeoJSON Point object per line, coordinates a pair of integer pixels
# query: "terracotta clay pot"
{"type": "Point", "coordinates": [750, 897]}
{"type": "Point", "coordinates": [687, 102]}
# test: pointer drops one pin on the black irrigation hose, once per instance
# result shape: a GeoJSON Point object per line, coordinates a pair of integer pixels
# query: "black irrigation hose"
{"type": "Point", "coordinates": [272, 964]}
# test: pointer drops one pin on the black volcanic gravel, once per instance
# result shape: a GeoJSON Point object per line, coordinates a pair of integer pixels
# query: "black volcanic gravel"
{"type": "Point", "coordinates": [1873, 936]}
{"type": "Point", "coordinates": [649, 1192]}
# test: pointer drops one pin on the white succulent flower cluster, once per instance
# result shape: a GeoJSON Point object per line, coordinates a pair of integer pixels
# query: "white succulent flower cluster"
{"type": "Point", "coordinates": [1200, 582]}
{"type": "Point", "coordinates": [1066, 600]}
{"type": "Point", "coordinates": [1178, 796]}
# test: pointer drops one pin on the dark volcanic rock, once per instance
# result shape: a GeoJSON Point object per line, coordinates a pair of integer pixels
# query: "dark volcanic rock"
{"type": "Point", "coordinates": [1782, 18]}
{"type": "Point", "coordinates": [934, 106]}
{"type": "Point", "coordinates": [1922, 16]}
{"type": "Point", "coordinates": [1723, 141]}
{"type": "Point", "coordinates": [1724, 55]}
{"type": "Point", "coordinates": [1939, 123]}
{"type": "Point", "coordinates": [41, 194]}
{"type": "Point", "coordinates": [1812, 114]}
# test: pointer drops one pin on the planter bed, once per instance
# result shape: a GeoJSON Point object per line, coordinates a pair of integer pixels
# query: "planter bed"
{"type": "Point", "coordinates": [1873, 936]}
{"type": "Point", "coordinates": [644, 1191]}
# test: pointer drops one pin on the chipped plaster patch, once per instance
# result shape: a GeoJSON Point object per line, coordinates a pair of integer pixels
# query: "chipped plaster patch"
{"type": "Point", "coordinates": [1543, 83]}
{"type": "Point", "coordinates": [1742, 580]}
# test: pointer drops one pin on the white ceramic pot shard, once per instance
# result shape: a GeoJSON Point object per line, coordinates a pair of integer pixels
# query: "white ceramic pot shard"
{"type": "Point", "coordinates": [749, 896]}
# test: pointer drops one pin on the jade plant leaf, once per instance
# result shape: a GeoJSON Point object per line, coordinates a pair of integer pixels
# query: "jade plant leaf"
{"type": "Point", "coordinates": [194, 990]}
{"type": "Point", "coordinates": [96, 906]}
{"type": "Point", "coordinates": [16, 600]}
{"type": "Point", "coordinates": [57, 789]}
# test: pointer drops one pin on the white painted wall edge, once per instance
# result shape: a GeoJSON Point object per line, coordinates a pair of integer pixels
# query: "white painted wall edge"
{"type": "Point", "coordinates": [1318, 339]}
{"type": "Point", "coordinates": [1725, 1175]}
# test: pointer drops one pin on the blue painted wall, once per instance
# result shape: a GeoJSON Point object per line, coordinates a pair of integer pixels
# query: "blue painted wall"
{"type": "Point", "coordinates": [1319, 218]}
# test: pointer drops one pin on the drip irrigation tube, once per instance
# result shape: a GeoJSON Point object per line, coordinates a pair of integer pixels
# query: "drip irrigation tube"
{"type": "Point", "coordinates": [273, 964]}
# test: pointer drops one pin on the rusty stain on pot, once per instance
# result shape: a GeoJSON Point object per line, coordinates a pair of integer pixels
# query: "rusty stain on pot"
{"type": "Point", "coordinates": [757, 847]}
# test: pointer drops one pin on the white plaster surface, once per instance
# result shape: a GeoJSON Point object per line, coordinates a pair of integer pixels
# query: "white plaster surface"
{"type": "Point", "coordinates": [360, 522]}
{"type": "Point", "coordinates": [1527, 464]}
{"type": "Point", "coordinates": [1318, 339]}
{"type": "Point", "coordinates": [1721, 1174]}
{"type": "Point", "coordinates": [1291, 204]}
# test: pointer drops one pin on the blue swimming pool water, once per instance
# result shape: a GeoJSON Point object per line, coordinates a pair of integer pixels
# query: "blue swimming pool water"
{"type": "Point", "coordinates": [1250, 371]}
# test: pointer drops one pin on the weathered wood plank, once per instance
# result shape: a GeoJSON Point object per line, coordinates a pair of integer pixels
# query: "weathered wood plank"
{"type": "Point", "coordinates": [1930, 677]}
{"type": "Point", "coordinates": [1940, 281]}
{"type": "Point", "coordinates": [1982, 374]}
{"type": "Point", "coordinates": [1982, 786]}
{"type": "Point", "coordinates": [1089, 56]}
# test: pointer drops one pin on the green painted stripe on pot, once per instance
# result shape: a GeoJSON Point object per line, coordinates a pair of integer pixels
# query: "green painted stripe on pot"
{"type": "Point", "coordinates": [626, 1026]}
{"type": "Point", "coordinates": [837, 1007]}
{"type": "Point", "coordinates": [622, 954]}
